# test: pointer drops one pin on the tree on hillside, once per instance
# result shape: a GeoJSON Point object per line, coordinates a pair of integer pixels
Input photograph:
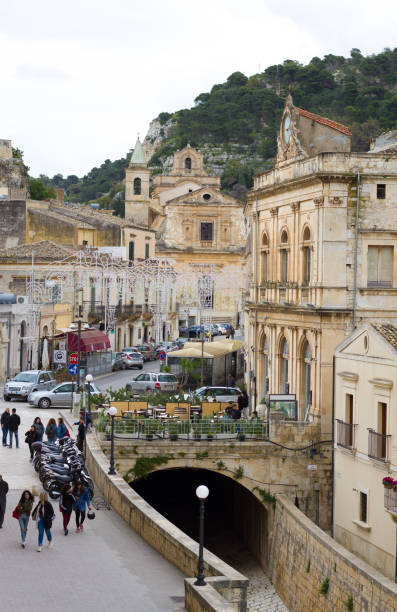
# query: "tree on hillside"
{"type": "Point", "coordinates": [39, 191]}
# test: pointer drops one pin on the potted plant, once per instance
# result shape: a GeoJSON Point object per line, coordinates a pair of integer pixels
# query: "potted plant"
{"type": "Point", "coordinates": [388, 482]}
{"type": "Point", "coordinates": [173, 429]}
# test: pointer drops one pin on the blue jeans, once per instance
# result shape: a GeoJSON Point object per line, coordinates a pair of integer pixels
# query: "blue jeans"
{"type": "Point", "coordinates": [16, 438]}
{"type": "Point", "coordinates": [23, 523]}
{"type": "Point", "coordinates": [41, 528]}
{"type": "Point", "coordinates": [5, 432]}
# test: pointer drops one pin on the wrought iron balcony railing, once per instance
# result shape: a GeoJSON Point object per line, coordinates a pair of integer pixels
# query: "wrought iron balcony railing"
{"type": "Point", "coordinates": [391, 500]}
{"type": "Point", "coordinates": [377, 445]}
{"type": "Point", "coordinates": [344, 434]}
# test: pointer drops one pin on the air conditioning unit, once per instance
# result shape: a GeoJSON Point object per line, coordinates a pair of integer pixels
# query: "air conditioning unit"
{"type": "Point", "coordinates": [22, 299]}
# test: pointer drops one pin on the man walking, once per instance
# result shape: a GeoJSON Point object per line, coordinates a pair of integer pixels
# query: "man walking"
{"type": "Point", "coordinates": [13, 425]}
{"type": "Point", "coordinates": [3, 493]}
{"type": "Point", "coordinates": [5, 419]}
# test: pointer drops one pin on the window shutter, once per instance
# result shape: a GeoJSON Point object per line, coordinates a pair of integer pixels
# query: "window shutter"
{"type": "Point", "coordinates": [386, 266]}
{"type": "Point", "coordinates": [372, 265]}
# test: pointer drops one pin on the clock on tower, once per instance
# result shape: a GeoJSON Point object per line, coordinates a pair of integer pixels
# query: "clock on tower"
{"type": "Point", "coordinates": [287, 129]}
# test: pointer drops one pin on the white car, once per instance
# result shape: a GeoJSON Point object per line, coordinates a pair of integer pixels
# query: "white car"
{"type": "Point", "coordinates": [216, 394]}
{"type": "Point", "coordinates": [153, 381]}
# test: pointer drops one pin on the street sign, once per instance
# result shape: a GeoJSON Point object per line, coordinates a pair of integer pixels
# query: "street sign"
{"type": "Point", "coordinates": [162, 356]}
{"type": "Point", "coordinates": [73, 358]}
{"type": "Point", "coordinates": [60, 357]}
{"type": "Point", "coordinates": [72, 369]}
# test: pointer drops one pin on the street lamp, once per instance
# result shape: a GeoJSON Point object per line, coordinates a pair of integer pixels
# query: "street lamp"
{"type": "Point", "coordinates": [88, 379]}
{"type": "Point", "coordinates": [202, 493]}
{"type": "Point", "coordinates": [112, 413]}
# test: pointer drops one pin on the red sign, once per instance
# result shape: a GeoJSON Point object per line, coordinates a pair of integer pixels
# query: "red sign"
{"type": "Point", "coordinates": [73, 358]}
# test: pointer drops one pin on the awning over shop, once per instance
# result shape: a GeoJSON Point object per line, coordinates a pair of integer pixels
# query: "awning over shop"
{"type": "Point", "coordinates": [90, 340]}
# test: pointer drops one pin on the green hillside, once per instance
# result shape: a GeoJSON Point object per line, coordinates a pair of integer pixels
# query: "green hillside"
{"type": "Point", "coordinates": [235, 124]}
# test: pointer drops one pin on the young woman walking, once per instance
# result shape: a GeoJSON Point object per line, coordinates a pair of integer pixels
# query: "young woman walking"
{"type": "Point", "coordinates": [66, 503]}
{"type": "Point", "coordinates": [30, 437]}
{"type": "Point", "coordinates": [43, 514]}
{"type": "Point", "coordinates": [82, 501]}
{"type": "Point", "coordinates": [39, 427]}
{"type": "Point", "coordinates": [25, 506]}
{"type": "Point", "coordinates": [51, 430]}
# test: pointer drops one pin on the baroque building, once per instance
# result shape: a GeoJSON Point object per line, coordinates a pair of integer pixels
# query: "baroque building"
{"type": "Point", "coordinates": [322, 257]}
{"type": "Point", "coordinates": [197, 226]}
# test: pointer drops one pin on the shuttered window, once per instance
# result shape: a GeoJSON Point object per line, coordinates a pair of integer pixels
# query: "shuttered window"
{"type": "Point", "coordinates": [380, 266]}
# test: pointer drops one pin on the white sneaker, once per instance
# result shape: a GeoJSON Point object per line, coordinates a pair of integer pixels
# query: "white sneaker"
{"type": "Point", "coordinates": [39, 548]}
{"type": "Point", "coordinates": [50, 544]}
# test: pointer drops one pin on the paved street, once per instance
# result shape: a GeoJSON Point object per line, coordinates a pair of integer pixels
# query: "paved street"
{"type": "Point", "coordinates": [107, 567]}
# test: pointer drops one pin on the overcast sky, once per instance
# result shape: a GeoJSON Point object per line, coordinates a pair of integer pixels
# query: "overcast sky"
{"type": "Point", "coordinates": [80, 78]}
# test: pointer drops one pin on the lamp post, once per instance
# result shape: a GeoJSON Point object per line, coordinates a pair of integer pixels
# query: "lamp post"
{"type": "Point", "coordinates": [80, 315]}
{"type": "Point", "coordinates": [112, 413]}
{"type": "Point", "coordinates": [88, 379]}
{"type": "Point", "coordinates": [202, 493]}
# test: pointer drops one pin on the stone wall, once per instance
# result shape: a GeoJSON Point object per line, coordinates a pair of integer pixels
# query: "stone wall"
{"type": "Point", "coordinates": [304, 560]}
{"type": "Point", "coordinates": [226, 591]}
{"type": "Point", "coordinates": [12, 223]}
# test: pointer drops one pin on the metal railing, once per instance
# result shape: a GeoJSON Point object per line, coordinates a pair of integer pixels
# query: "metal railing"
{"type": "Point", "coordinates": [344, 433]}
{"type": "Point", "coordinates": [377, 445]}
{"type": "Point", "coordinates": [390, 502]}
{"type": "Point", "coordinates": [173, 429]}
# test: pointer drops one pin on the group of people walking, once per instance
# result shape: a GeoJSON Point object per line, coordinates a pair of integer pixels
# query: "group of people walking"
{"type": "Point", "coordinates": [10, 422]}
{"type": "Point", "coordinates": [73, 499]}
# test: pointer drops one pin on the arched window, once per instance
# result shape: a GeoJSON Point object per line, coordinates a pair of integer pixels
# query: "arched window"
{"type": "Point", "coordinates": [188, 163]}
{"type": "Point", "coordinates": [137, 186]}
{"type": "Point", "coordinates": [306, 377]}
{"type": "Point", "coordinates": [306, 259]}
{"type": "Point", "coordinates": [266, 366]}
{"type": "Point", "coordinates": [265, 259]}
{"type": "Point", "coordinates": [284, 357]}
{"type": "Point", "coordinates": [284, 257]}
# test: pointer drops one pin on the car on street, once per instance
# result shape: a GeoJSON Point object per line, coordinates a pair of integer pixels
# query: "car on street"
{"type": "Point", "coordinates": [61, 395]}
{"type": "Point", "coordinates": [167, 347]}
{"type": "Point", "coordinates": [223, 327]}
{"type": "Point", "coordinates": [153, 381]}
{"type": "Point", "coordinates": [127, 361]}
{"type": "Point", "coordinates": [181, 342]}
{"type": "Point", "coordinates": [25, 382]}
{"type": "Point", "coordinates": [217, 394]}
{"type": "Point", "coordinates": [130, 349]}
{"type": "Point", "coordinates": [148, 352]}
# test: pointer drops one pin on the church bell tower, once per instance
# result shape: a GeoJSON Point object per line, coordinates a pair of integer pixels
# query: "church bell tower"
{"type": "Point", "coordinates": [137, 181]}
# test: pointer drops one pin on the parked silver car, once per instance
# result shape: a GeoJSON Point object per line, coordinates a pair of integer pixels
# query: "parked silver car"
{"type": "Point", "coordinates": [23, 383]}
{"type": "Point", "coordinates": [217, 394]}
{"type": "Point", "coordinates": [127, 361]}
{"type": "Point", "coordinates": [60, 395]}
{"type": "Point", "coordinates": [153, 381]}
{"type": "Point", "coordinates": [148, 351]}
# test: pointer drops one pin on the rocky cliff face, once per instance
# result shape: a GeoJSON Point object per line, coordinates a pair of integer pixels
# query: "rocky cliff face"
{"type": "Point", "coordinates": [155, 136]}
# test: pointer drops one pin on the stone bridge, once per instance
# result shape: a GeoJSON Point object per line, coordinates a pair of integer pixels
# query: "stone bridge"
{"type": "Point", "coordinates": [243, 478]}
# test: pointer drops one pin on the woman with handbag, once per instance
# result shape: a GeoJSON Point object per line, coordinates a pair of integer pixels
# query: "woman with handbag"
{"type": "Point", "coordinates": [82, 501]}
{"type": "Point", "coordinates": [23, 510]}
{"type": "Point", "coordinates": [66, 502]}
{"type": "Point", "coordinates": [44, 515]}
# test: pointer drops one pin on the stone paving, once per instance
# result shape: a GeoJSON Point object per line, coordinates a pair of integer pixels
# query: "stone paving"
{"type": "Point", "coordinates": [106, 567]}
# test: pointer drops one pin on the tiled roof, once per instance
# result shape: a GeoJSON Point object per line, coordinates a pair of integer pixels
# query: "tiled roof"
{"type": "Point", "coordinates": [388, 331]}
{"type": "Point", "coordinates": [61, 218]}
{"type": "Point", "coordinates": [44, 249]}
{"type": "Point", "coordinates": [324, 121]}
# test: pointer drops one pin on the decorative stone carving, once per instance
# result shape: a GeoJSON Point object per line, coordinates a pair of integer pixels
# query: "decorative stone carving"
{"type": "Point", "coordinates": [335, 201]}
{"type": "Point", "coordinates": [318, 202]}
{"type": "Point", "coordinates": [274, 212]}
{"type": "Point", "coordinates": [295, 207]}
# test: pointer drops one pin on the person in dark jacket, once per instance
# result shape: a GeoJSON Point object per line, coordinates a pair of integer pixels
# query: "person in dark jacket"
{"type": "Point", "coordinates": [5, 419]}
{"type": "Point", "coordinates": [25, 506]}
{"type": "Point", "coordinates": [39, 427]}
{"type": "Point", "coordinates": [82, 501]}
{"type": "Point", "coordinates": [43, 514]}
{"type": "Point", "coordinates": [13, 425]}
{"type": "Point", "coordinates": [61, 428]}
{"type": "Point", "coordinates": [51, 430]}
{"type": "Point", "coordinates": [30, 437]}
{"type": "Point", "coordinates": [81, 435]}
{"type": "Point", "coordinates": [66, 503]}
{"type": "Point", "coordinates": [3, 500]}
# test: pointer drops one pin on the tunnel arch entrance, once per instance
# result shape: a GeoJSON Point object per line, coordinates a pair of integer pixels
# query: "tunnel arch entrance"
{"type": "Point", "coordinates": [236, 523]}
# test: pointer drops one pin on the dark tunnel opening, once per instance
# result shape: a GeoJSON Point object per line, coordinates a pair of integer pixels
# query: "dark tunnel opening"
{"type": "Point", "coordinates": [235, 520]}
